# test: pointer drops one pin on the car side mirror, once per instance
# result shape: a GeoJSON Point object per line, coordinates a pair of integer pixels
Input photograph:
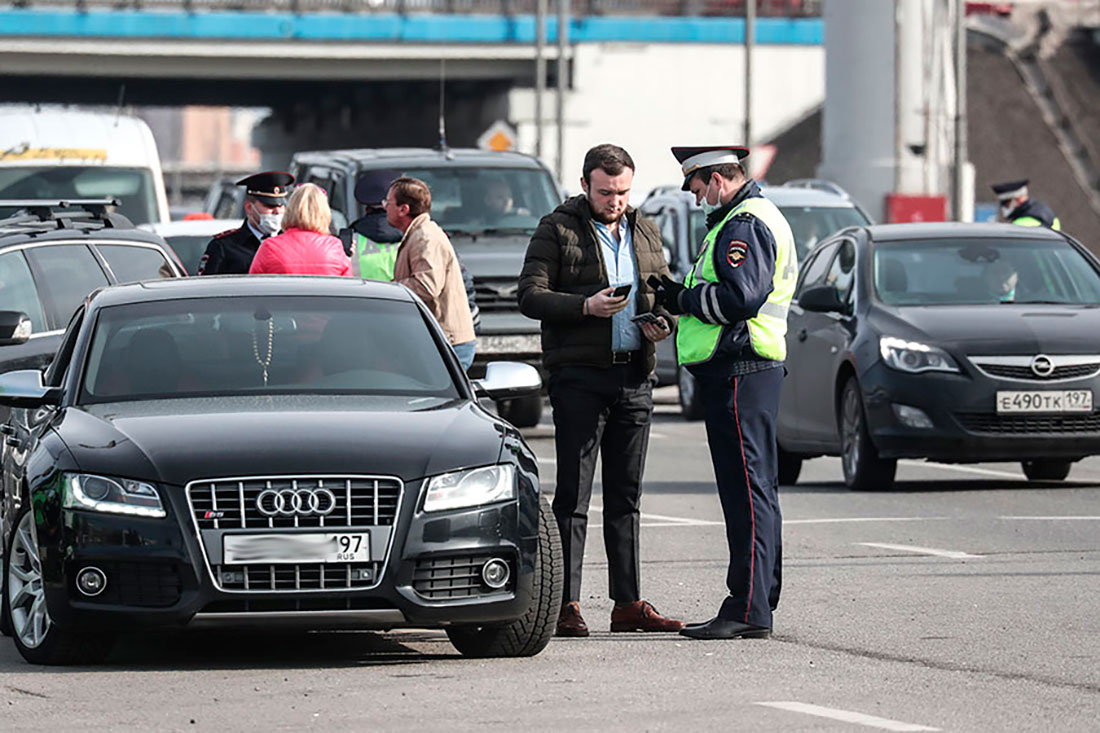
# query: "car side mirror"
{"type": "Point", "coordinates": [505, 380]}
{"type": "Point", "coordinates": [821, 299]}
{"type": "Point", "coordinates": [15, 328]}
{"type": "Point", "coordinates": [24, 388]}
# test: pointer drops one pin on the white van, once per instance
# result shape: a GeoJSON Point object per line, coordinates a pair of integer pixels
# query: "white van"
{"type": "Point", "coordinates": [61, 153]}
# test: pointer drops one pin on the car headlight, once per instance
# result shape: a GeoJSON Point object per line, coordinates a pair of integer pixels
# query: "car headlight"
{"type": "Point", "coordinates": [470, 488]}
{"type": "Point", "coordinates": [911, 356]}
{"type": "Point", "coordinates": [115, 496]}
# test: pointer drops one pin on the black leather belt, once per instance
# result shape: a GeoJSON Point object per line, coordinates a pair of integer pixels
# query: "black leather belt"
{"type": "Point", "coordinates": [624, 357]}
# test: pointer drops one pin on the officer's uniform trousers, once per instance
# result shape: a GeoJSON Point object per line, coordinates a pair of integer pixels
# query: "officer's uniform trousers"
{"type": "Point", "coordinates": [740, 414]}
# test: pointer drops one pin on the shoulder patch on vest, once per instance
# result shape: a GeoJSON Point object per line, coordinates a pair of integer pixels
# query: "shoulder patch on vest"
{"type": "Point", "coordinates": [737, 252]}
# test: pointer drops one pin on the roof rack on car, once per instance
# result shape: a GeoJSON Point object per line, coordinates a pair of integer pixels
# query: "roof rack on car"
{"type": "Point", "coordinates": [817, 184]}
{"type": "Point", "coordinates": [49, 214]}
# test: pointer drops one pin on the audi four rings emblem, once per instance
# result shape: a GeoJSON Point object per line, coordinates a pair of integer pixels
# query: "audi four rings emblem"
{"type": "Point", "coordinates": [1042, 366]}
{"type": "Point", "coordinates": [300, 502]}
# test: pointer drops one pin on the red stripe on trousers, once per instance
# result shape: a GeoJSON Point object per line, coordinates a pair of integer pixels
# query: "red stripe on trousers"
{"type": "Point", "coordinates": [748, 486]}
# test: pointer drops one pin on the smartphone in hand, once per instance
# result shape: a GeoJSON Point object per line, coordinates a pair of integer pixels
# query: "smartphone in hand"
{"type": "Point", "coordinates": [622, 290]}
{"type": "Point", "coordinates": [651, 318]}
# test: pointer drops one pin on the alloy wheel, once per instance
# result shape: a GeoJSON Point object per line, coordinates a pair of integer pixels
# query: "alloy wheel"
{"type": "Point", "coordinates": [30, 619]}
{"type": "Point", "coordinates": [851, 428]}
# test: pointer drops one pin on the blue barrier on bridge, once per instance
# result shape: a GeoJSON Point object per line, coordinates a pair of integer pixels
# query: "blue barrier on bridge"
{"type": "Point", "coordinates": [387, 27]}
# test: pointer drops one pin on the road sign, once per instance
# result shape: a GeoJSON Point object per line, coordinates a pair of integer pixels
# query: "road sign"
{"type": "Point", "coordinates": [499, 137]}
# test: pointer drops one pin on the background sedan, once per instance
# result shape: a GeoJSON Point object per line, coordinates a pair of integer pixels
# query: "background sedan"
{"type": "Point", "coordinates": [954, 342]}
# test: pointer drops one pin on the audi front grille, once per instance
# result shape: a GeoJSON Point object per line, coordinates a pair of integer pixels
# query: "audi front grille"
{"type": "Point", "coordinates": [294, 504]}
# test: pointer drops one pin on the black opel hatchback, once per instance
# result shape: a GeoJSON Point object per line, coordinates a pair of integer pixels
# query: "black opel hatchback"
{"type": "Point", "coordinates": [953, 342]}
{"type": "Point", "coordinates": [267, 450]}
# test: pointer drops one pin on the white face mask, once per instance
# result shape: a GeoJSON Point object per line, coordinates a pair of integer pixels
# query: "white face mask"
{"type": "Point", "coordinates": [270, 224]}
{"type": "Point", "coordinates": [708, 207]}
{"type": "Point", "coordinates": [1006, 209]}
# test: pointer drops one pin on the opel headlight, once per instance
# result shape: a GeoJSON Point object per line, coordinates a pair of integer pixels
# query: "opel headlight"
{"type": "Point", "coordinates": [915, 357]}
{"type": "Point", "coordinates": [115, 496]}
{"type": "Point", "coordinates": [470, 488]}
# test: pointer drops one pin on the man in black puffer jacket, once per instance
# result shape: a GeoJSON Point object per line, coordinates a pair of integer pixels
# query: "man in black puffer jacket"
{"type": "Point", "coordinates": [600, 362]}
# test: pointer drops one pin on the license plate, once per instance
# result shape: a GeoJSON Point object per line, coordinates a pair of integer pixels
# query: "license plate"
{"type": "Point", "coordinates": [1070, 400]}
{"type": "Point", "coordinates": [313, 547]}
{"type": "Point", "coordinates": [530, 343]}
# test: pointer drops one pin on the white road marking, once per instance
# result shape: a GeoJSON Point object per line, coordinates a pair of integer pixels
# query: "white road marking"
{"type": "Point", "coordinates": [963, 469]}
{"type": "Point", "coordinates": [655, 434]}
{"type": "Point", "coordinates": [546, 460]}
{"type": "Point", "coordinates": [953, 554]}
{"type": "Point", "coordinates": [846, 716]}
{"type": "Point", "coordinates": [1056, 519]}
{"type": "Point", "coordinates": [842, 520]}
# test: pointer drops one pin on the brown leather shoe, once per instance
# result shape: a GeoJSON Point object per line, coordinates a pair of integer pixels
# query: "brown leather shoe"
{"type": "Point", "coordinates": [570, 622]}
{"type": "Point", "coordinates": [641, 616]}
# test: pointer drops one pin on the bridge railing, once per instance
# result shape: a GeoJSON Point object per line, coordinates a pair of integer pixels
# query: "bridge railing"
{"type": "Point", "coordinates": [765, 8]}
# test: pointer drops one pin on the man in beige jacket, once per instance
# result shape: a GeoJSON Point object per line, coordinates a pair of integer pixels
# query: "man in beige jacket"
{"type": "Point", "coordinates": [427, 265]}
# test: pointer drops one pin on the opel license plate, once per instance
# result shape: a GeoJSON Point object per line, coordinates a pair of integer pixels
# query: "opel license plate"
{"type": "Point", "coordinates": [1070, 400]}
{"type": "Point", "coordinates": [313, 547]}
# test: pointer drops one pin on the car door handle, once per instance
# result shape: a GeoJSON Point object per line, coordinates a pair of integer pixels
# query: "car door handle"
{"type": "Point", "coordinates": [802, 335]}
{"type": "Point", "coordinates": [6, 429]}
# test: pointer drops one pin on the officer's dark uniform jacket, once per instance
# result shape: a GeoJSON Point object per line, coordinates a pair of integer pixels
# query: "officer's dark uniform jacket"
{"type": "Point", "coordinates": [230, 253]}
{"type": "Point", "coordinates": [1037, 210]}
{"type": "Point", "coordinates": [741, 290]}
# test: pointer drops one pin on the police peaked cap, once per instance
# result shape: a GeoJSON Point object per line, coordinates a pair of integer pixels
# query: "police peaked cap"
{"type": "Point", "coordinates": [693, 158]}
{"type": "Point", "coordinates": [373, 186]}
{"type": "Point", "coordinates": [271, 186]}
{"type": "Point", "coordinates": [1010, 189]}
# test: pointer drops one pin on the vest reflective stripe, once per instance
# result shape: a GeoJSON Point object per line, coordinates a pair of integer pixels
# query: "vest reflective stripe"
{"type": "Point", "coordinates": [376, 261]}
{"type": "Point", "coordinates": [1031, 221]}
{"type": "Point", "coordinates": [696, 340]}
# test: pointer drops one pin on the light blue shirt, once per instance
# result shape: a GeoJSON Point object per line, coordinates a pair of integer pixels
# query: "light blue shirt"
{"type": "Point", "coordinates": [618, 258]}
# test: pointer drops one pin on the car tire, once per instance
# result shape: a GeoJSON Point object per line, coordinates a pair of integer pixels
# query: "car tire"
{"type": "Point", "coordinates": [790, 466]}
{"type": "Point", "coordinates": [863, 469]}
{"type": "Point", "coordinates": [529, 634]}
{"type": "Point", "coordinates": [1046, 469]}
{"type": "Point", "coordinates": [523, 412]}
{"type": "Point", "coordinates": [38, 640]}
{"type": "Point", "coordinates": [691, 402]}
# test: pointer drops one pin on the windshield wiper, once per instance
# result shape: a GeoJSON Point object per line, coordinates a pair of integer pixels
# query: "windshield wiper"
{"type": "Point", "coordinates": [1036, 302]}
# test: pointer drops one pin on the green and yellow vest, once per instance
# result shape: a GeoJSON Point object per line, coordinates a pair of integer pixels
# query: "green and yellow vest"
{"type": "Point", "coordinates": [376, 261]}
{"type": "Point", "coordinates": [696, 340]}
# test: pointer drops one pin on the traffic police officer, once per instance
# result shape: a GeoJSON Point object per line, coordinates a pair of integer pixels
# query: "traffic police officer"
{"type": "Point", "coordinates": [370, 241]}
{"type": "Point", "coordinates": [231, 252]}
{"type": "Point", "coordinates": [731, 337]}
{"type": "Point", "coordinates": [1017, 207]}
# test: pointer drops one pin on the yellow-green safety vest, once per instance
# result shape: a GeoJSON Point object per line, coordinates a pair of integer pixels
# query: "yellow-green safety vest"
{"type": "Point", "coordinates": [696, 340]}
{"type": "Point", "coordinates": [1031, 221]}
{"type": "Point", "coordinates": [376, 261]}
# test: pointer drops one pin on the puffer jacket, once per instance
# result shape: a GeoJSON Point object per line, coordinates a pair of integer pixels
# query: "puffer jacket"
{"type": "Point", "coordinates": [564, 265]}
{"type": "Point", "coordinates": [301, 252]}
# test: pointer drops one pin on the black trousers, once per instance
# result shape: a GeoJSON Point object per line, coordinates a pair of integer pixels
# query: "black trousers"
{"type": "Point", "coordinates": [608, 412]}
{"type": "Point", "coordinates": [740, 415]}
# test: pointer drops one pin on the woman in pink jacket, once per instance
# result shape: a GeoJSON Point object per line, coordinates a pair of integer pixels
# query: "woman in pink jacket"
{"type": "Point", "coordinates": [305, 247]}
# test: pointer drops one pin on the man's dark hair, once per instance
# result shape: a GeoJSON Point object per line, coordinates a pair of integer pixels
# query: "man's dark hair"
{"type": "Point", "coordinates": [611, 159]}
{"type": "Point", "coordinates": [415, 193]}
{"type": "Point", "coordinates": [729, 171]}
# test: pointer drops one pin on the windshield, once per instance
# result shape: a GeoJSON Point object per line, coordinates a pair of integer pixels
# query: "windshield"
{"type": "Point", "coordinates": [133, 187]}
{"type": "Point", "coordinates": [263, 345]}
{"type": "Point", "coordinates": [976, 271]}
{"type": "Point", "coordinates": [474, 200]}
{"type": "Point", "coordinates": [809, 225]}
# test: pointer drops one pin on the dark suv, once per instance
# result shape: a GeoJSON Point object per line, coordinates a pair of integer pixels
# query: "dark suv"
{"type": "Point", "coordinates": [815, 209]}
{"type": "Point", "coordinates": [489, 203]}
{"type": "Point", "coordinates": [53, 254]}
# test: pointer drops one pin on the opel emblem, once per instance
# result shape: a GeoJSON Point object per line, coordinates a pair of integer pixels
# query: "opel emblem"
{"type": "Point", "coordinates": [1042, 366]}
{"type": "Point", "coordinates": [296, 502]}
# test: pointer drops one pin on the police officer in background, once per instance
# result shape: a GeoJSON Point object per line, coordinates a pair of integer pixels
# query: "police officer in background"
{"type": "Point", "coordinates": [370, 241]}
{"type": "Point", "coordinates": [1017, 207]}
{"type": "Point", "coordinates": [731, 337]}
{"type": "Point", "coordinates": [231, 253]}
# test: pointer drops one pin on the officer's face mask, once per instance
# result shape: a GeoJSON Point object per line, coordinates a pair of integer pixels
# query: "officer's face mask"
{"type": "Point", "coordinates": [708, 207]}
{"type": "Point", "coordinates": [270, 224]}
{"type": "Point", "coordinates": [1006, 209]}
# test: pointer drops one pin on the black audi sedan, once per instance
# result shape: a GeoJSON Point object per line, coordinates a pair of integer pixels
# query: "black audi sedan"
{"type": "Point", "coordinates": [953, 342]}
{"type": "Point", "coordinates": [267, 450]}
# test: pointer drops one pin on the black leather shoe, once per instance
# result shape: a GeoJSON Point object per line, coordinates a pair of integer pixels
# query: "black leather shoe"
{"type": "Point", "coordinates": [720, 628]}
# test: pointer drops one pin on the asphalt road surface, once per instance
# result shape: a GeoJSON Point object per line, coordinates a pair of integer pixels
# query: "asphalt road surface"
{"type": "Point", "coordinates": [965, 600]}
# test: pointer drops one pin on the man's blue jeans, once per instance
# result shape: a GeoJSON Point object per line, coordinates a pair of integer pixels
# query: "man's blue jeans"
{"type": "Point", "coordinates": [465, 353]}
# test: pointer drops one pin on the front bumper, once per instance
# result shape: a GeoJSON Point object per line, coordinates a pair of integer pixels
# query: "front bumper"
{"type": "Point", "coordinates": [159, 575]}
{"type": "Point", "coordinates": [965, 425]}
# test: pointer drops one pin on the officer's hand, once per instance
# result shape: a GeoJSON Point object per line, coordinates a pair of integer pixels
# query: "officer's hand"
{"type": "Point", "coordinates": [668, 294]}
{"type": "Point", "coordinates": [604, 304]}
{"type": "Point", "coordinates": [656, 332]}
